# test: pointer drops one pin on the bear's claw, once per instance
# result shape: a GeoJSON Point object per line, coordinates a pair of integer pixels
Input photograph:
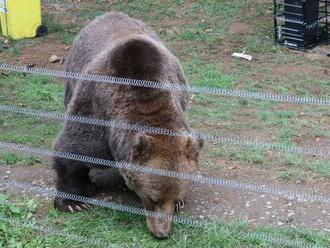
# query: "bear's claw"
{"type": "Point", "coordinates": [70, 209]}
{"type": "Point", "coordinates": [69, 205]}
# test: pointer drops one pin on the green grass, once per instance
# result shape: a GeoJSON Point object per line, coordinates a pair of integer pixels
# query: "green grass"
{"type": "Point", "coordinates": [33, 91]}
{"type": "Point", "coordinates": [156, 9]}
{"type": "Point", "coordinates": [244, 155]}
{"type": "Point", "coordinates": [30, 92]}
{"type": "Point", "coordinates": [65, 32]}
{"type": "Point", "coordinates": [208, 75]}
{"type": "Point", "coordinates": [128, 230]}
{"type": "Point", "coordinates": [10, 158]}
{"type": "Point", "coordinates": [214, 28]}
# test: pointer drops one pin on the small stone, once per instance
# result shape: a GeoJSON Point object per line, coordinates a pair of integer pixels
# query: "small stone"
{"type": "Point", "coordinates": [54, 59]}
{"type": "Point", "coordinates": [202, 217]}
{"type": "Point", "coordinates": [291, 214]}
{"type": "Point", "coordinates": [208, 30]}
{"type": "Point", "coordinates": [170, 31]}
{"type": "Point", "coordinates": [6, 44]}
{"type": "Point", "coordinates": [8, 172]}
{"type": "Point", "coordinates": [279, 223]}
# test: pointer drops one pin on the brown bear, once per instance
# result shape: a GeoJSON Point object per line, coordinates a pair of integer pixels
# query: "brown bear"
{"type": "Point", "coordinates": [117, 45]}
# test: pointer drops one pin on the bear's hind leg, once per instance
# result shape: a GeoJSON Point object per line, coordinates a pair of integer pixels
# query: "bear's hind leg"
{"type": "Point", "coordinates": [72, 178]}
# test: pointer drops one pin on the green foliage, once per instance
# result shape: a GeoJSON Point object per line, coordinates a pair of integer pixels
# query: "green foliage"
{"type": "Point", "coordinates": [64, 31]}
{"type": "Point", "coordinates": [118, 228]}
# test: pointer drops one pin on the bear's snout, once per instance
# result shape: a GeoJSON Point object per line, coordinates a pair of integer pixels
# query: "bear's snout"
{"type": "Point", "coordinates": [158, 227]}
{"type": "Point", "coordinates": [161, 227]}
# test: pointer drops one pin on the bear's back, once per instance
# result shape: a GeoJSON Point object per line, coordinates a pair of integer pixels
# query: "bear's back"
{"type": "Point", "coordinates": [102, 33]}
{"type": "Point", "coordinates": [106, 34]}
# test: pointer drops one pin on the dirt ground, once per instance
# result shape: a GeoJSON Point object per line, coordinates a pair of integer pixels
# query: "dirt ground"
{"type": "Point", "coordinates": [206, 201]}
{"type": "Point", "coordinates": [203, 201]}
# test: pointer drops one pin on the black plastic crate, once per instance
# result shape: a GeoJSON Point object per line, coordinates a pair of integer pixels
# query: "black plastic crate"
{"type": "Point", "coordinates": [302, 24]}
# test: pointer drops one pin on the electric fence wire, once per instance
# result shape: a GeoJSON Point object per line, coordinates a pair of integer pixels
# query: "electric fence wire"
{"type": "Point", "coordinates": [230, 184]}
{"type": "Point", "coordinates": [48, 231]}
{"type": "Point", "coordinates": [229, 140]}
{"type": "Point", "coordinates": [169, 86]}
{"type": "Point", "coordinates": [198, 178]}
{"type": "Point", "coordinates": [186, 220]}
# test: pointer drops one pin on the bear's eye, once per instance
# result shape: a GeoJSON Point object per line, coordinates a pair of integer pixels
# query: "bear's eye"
{"type": "Point", "coordinates": [151, 200]}
{"type": "Point", "coordinates": [155, 201]}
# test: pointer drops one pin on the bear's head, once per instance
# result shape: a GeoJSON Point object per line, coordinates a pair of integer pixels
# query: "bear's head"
{"type": "Point", "coordinates": [159, 193]}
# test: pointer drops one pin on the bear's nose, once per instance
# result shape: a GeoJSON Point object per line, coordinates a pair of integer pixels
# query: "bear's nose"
{"type": "Point", "coordinates": [163, 234]}
{"type": "Point", "coordinates": [163, 230]}
{"type": "Point", "coordinates": [160, 228]}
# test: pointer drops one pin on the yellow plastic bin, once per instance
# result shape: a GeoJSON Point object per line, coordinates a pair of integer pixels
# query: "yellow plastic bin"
{"type": "Point", "coordinates": [21, 19]}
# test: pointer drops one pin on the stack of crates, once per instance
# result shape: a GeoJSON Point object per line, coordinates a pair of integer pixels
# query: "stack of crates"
{"type": "Point", "coordinates": [302, 24]}
{"type": "Point", "coordinates": [21, 19]}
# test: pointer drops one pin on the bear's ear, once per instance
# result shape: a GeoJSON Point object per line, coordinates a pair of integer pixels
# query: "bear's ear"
{"type": "Point", "coordinates": [136, 57]}
{"type": "Point", "coordinates": [194, 145]}
{"type": "Point", "coordinates": [141, 142]}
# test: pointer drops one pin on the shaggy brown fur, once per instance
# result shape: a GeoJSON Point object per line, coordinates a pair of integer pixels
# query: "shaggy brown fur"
{"type": "Point", "coordinates": [117, 45]}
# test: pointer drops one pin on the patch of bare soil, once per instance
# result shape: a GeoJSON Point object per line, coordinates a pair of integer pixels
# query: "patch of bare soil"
{"type": "Point", "coordinates": [39, 54]}
{"type": "Point", "coordinates": [208, 201]}
{"type": "Point", "coordinates": [307, 69]}
{"type": "Point", "coordinates": [237, 27]}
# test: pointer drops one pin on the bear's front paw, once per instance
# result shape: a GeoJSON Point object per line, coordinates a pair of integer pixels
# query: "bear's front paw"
{"type": "Point", "coordinates": [69, 205]}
